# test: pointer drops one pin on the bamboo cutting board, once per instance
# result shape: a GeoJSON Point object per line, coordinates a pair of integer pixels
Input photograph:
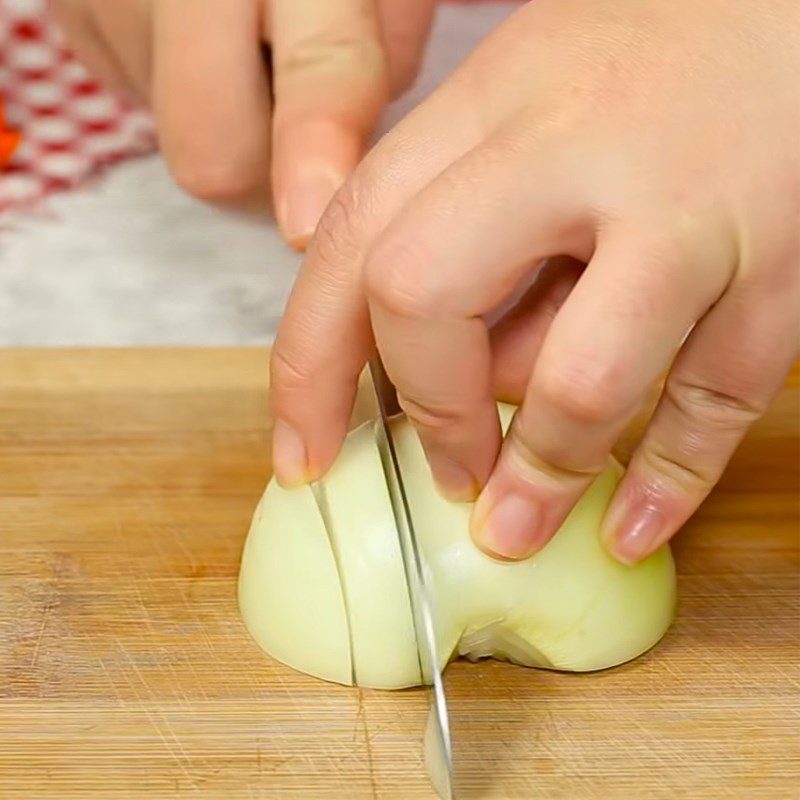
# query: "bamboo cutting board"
{"type": "Point", "coordinates": [127, 479]}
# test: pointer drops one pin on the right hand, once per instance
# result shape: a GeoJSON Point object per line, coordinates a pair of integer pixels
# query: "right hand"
{"type": "Point", "coordinates": [654, 143]}
{"type": "Point", "coordinates": [230, 134]}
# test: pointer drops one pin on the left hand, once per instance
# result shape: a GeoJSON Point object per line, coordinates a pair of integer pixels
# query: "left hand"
{"type": "Point", "coordinates": [656, 142]}
{"type": "Point", "coordinates": [234, 129]}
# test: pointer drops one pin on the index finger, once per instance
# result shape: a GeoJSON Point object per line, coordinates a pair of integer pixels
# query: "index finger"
{"type": "Point", "coordinates": [325, 339]}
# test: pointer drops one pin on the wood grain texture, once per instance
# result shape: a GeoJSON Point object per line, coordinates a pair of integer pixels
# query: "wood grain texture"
{"type": "Point", "coordinates": [127, 479]}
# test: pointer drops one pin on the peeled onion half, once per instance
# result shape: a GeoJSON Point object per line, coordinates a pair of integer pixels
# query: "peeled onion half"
{"type": "Point", "coordinates": [322, 585]}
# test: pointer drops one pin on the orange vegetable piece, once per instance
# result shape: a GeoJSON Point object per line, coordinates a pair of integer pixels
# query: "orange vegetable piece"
{"type": "Point", "coordinates": [9, 139]}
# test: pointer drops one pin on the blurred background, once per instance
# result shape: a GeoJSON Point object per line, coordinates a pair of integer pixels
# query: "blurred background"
{"type": "Point", "coordinates": [128, 258]}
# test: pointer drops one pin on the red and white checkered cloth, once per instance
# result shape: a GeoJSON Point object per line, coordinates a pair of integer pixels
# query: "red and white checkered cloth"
{"type": "Point", "coordinates": [70, 127]}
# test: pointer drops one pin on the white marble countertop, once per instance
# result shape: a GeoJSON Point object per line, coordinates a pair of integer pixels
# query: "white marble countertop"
{"type": "Point", "coordinates": [131, 260]}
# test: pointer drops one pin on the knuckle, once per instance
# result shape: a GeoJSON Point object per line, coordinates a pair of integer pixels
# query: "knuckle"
{"type": "Point", "coordinates": [395, 281]}
{"type": "Point", "coordinates": [432, 416]}
{"type": "Point", "coordinates": [340, 228]}
{"type": "Point", "coordinates": [587, 394]}
{"type": "Point", "coordinates": [557, 461]}
{"type": "Point", "coordinates": [286, 374]}
{"type": "Point", "coordinates": [215, 181]}
{"type": "Point", "coordinates": [331, 51]}
{"type": "Point", "coordinates": [660, 460]}
{"type": "Point", "coordinates": [718, 408]}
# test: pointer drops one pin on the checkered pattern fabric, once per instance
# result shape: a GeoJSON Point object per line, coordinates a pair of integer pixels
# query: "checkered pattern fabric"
{"type": "Point", "coordinates": [68, 126]}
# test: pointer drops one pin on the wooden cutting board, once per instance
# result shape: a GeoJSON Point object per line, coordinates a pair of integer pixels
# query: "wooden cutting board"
{"type": "Point", "coordinates": [127, 479]}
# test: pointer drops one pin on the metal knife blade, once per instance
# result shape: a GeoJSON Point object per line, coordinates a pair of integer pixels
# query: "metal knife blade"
{"type": "Point", "coordinates": [439, 751]}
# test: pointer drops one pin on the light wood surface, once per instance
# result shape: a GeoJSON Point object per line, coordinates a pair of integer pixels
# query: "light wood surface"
{"type": "Point", "coordinates": [127, 479]}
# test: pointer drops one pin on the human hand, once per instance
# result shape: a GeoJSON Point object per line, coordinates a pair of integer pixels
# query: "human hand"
{"type": "Point", "coordinates": [657, 143]}
{"type": "Point", "coordinates": [200, 65]}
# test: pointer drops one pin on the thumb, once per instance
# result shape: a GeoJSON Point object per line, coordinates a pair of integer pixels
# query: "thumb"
{"type": "Point", "coordinates": [331, 83]}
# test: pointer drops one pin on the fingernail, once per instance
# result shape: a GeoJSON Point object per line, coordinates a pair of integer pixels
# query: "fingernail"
{"type": "Point", "coordinates": [305, 203]}
{"type": "Point", "coordinates": [289, 458]}
{"type": "Point", "coordinates": [511, 527]}
{"type": "Point", "coordinates": [455, 482]}
{"type": "Point", "coordinates": [633, 535]}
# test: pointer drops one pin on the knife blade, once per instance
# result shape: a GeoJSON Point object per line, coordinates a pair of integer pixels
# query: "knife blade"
{"type": "Point", "coordinates": [438, 743]}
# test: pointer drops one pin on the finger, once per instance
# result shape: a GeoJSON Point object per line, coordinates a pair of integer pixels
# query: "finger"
{"type": "Point", "coordinates": [86, 42]}
{"type": "Point", "coordinates": [125, 26]}
{"type": "Point", "coordinates": [212, 99]}
{"type": "Point", "coordinates": [434, 339]}
{"type": "Point", "coordinates": [518, 336]}
{"type": "Point", "coordinates": [607, 345]}
{"type": "Point", "coordinates": [331, 83]}
{"type": "Point", "coordinates": [730, 368]}
{"type": "Point", "coordinates": [405, 25]}
{"type": "Point", "coordinates": [324, 338]}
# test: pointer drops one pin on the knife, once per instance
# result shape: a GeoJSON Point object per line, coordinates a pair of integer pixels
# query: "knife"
{"type": "Point", "coordinates": [438, 744]}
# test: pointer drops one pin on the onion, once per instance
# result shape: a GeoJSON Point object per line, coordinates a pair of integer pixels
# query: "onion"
{"type": "Point", "coordinates": [322, 585]}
